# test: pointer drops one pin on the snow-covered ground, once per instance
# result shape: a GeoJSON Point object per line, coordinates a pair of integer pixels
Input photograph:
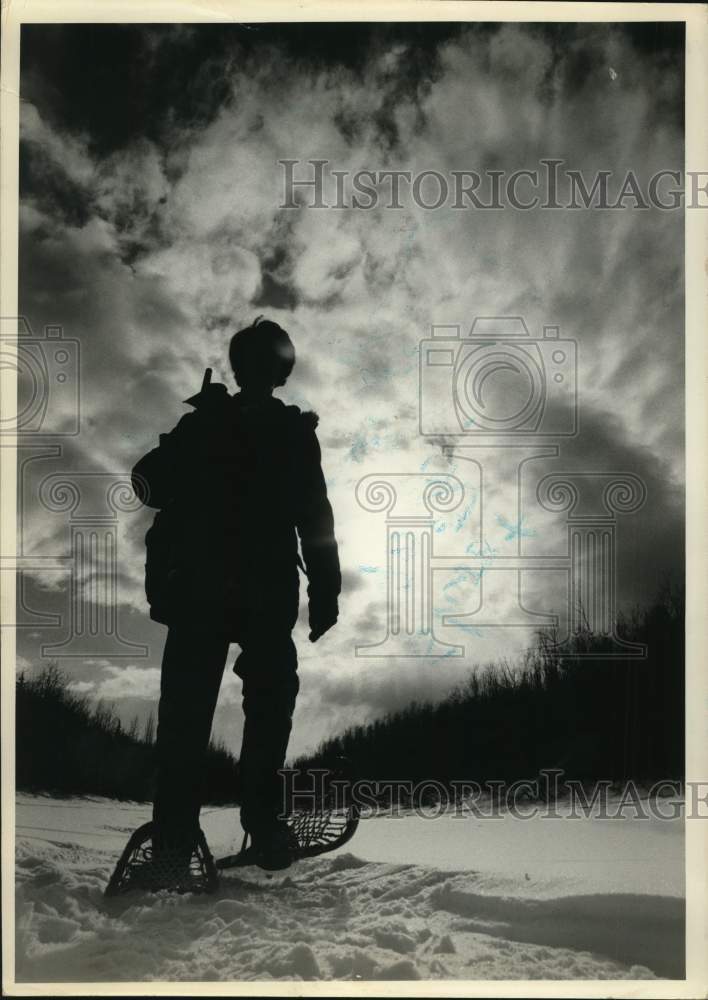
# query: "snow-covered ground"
{"type": "Point", "coordinates": [407, 898]}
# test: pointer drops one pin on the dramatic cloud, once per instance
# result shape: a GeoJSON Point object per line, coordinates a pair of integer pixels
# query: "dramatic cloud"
{"type": "Point", "coordinates": [152, 227]}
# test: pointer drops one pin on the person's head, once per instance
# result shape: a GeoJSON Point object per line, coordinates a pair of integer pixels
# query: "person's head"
{"type": "Point", "coordinates": [261, 355]}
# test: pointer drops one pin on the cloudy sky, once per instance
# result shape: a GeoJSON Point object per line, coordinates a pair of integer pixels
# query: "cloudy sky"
{"type": "Point", "coordinates": [151, 229]}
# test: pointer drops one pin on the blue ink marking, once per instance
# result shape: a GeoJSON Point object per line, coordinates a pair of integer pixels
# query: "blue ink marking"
{"type": "Point", "coordinates": [367, 439]}
{"type": "Point", "coordinates": [514, 531]}
{"type": "Point", "coordinates": [471, 550]}
{"type": "Point", "coordinates": [463, 517]}
{"type": "Point", "coordinates": [438, 656]}
{"type": "Point", "coordinates": [465, 576]}
{"type": "Point", "coordinates": [358, 449]}
{"type": "Point", "coordinates": [369, 569]}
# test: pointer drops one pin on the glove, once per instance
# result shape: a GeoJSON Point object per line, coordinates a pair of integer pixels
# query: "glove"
{"type": "Point", "coordinates": [323, 614]}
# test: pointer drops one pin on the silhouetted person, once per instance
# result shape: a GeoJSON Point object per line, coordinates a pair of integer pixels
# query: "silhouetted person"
{"type": "Point", "coordinates": [236, 482]}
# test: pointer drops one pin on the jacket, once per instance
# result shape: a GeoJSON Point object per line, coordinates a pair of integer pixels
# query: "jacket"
{"type": "Point", "coordinates": [236, 486]}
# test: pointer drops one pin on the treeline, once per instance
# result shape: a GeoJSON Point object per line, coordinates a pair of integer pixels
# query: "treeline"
{"type": "Point", "coordinates": [66, 744]}
{"type": "Point", "coordinates": [595, 718]}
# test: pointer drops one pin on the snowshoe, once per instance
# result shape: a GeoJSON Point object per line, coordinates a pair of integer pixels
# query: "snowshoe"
{"type": "Point", "coordinates": [142, 867]}
{"type": "Point", "coordinates": [310, 834]}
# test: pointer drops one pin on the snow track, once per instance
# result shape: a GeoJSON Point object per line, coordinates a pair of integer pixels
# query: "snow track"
{"type": "Point", "coordinates": [335, 917]}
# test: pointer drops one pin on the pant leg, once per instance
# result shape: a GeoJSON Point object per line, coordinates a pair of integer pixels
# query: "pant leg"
{"type": "Point", "coordinates": [268, 668]}
{"type": "Point", "coordinates": [192, 668]}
